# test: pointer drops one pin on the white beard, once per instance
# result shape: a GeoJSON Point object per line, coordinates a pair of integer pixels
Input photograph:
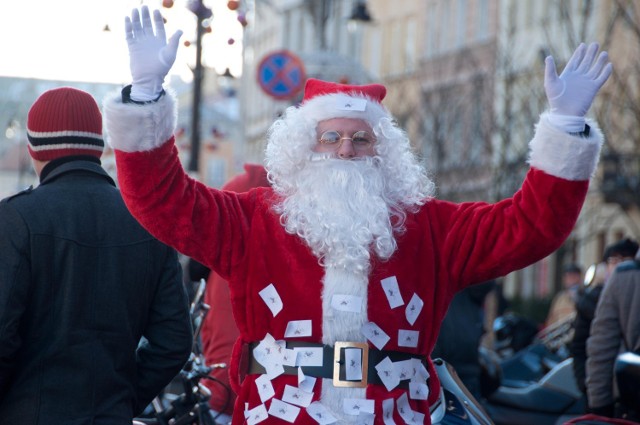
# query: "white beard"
{"type": "Point", "coordinates": [340, 209]}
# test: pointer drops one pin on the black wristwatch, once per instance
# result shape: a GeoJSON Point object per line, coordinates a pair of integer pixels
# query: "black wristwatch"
{"type": "Point", "coordinates": [583, 133]}
{"type": "Point", "coordinates": [126, 97]}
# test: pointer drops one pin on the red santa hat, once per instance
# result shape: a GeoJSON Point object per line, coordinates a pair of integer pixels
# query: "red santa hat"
{"type": "Point", "coordinates": [324, 100]}
{"type": "Point", "coordinates": [63, 122]}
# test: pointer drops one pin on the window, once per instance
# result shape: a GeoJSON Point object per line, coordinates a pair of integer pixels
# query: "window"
{"type": "Point", "coordinates": [396, 64]}
{"type": "Point", "coordinates": [461, 23]}
{"type": "Point", "coordinates": [482, 28]}
{"type": "Point", "coordinates": [431, 33]}
{"type": "Point", "coordinates": [410, 46]}
{"type": "Point", "coordinates": [375, 52]}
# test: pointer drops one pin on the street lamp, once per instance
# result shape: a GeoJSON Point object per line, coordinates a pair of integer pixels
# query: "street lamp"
{"type": "Point", "coordinates": [227, 73]}
{"type": "Point", "coordinates": [202, 13]}
{"type": "Point", "coordinates": [620, 181]}
{"type": "Point", "coordinates": [360, 13]}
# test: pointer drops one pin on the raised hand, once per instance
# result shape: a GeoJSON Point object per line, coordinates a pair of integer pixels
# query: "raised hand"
{"type": "Point", "coordinates": [150, 56]}
{"type": "Point", "coordinates": [573, 91]}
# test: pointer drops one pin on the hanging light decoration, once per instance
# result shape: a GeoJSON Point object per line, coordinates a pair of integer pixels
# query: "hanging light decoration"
{"type": "Point", "coordinates": [199, 9]}
{"type": "Point", "coordinates": [360, 13]}
{"type": "Point", "coordinates": [242, 18]}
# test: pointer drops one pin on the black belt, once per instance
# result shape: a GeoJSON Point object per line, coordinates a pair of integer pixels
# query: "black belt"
{"type": "Point", "coordinates": [370, 358]}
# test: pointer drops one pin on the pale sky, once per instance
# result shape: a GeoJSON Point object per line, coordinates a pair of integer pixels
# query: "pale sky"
{"type": "Point", "coordinates": [64, 39]}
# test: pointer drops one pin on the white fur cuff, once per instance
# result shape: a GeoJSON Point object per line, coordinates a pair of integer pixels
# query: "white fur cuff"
{"type": "Point", "coordinates": [564, 155]}
{"type": "Point", "coordinates": [136, 128]}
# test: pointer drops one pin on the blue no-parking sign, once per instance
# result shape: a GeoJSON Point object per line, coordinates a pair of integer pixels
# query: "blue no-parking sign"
{"type": "Point", "coordinates": [281, 74]}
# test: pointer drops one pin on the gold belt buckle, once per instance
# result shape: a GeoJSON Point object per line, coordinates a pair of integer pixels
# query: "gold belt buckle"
{"type": "Point", "coordinates": [337, 361]}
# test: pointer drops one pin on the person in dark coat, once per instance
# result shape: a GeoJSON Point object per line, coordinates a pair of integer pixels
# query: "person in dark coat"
{"type": "Point", "coordinates": [587, 302]}
{"type": "Point", "coordinates": [462, 329]}
{"type": "Point", "coordinates": [615, 329]}
{"type": "Point", "coordinates": [94, 319]}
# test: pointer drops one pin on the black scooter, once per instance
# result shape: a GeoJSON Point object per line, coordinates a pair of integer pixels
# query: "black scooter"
{"type": "Point", "coordinates": [551, 400]}
{"type": "Point", "coordinates": [455, 406]}
{"type": "Point", "coordinates": [627, 371]}
{"type": "Point", "coordinates": [535, 385]}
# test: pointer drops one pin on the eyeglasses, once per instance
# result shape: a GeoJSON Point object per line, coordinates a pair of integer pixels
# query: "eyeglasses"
{"type": "Point", "coordinates": [617, 259]}
{"type": "Point", "coordinates": [361, 140]}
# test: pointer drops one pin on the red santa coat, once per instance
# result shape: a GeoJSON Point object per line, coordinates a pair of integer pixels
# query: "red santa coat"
{"type": "Point", "coordinates": [446, 246]}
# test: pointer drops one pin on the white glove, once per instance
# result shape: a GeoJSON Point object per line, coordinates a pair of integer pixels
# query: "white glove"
{"type": "Point", "coordinates": [150, 57]}
{"type": "Point", "coordinates": [570, 95]}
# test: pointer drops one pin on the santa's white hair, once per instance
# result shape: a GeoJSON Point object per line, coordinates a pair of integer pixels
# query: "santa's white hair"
{"type": "Point", "coordinates": [344, 209]}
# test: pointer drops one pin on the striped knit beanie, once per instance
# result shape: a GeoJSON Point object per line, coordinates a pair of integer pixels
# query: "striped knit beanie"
{"type": "Point", "coordinates": [63, 122]}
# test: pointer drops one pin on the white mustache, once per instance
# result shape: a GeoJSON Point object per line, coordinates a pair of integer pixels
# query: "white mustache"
{"type": "Point", "coordinates": [338, 207]}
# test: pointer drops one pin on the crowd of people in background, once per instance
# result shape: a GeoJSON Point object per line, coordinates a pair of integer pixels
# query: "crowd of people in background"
{"type": "Point", "coordinates": [595, 311]}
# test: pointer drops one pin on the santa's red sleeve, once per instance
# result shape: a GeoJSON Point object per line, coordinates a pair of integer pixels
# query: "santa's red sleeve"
{"type": "Point", "coordinates": [480, 241]}
{"type": "Point", "coordinates": [175, 208]}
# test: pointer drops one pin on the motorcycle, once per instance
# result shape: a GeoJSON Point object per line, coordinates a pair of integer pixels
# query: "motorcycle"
{"type": "Point", "coordinates": [191, 407]}
{"type": "Point", "coordinates": [455, 406]}
{"type": "Point", "coordinates": [551, 400]}
{"type": "Point", "coordinates": [545, 350]}
{"type": "Point", "coordinates": [512, 334]}
{"type": "Point", "coordinates": [535, 385]}
{"type": "Point", "coordinates": [627, 372]}
{"type": "Point", "coordinates": [186, 399]}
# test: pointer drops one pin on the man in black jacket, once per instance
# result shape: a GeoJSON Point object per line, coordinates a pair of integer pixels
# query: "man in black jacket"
{"type": "Point", "coordinates": [460, 334]}
{"type": "Point", "coordinates": [94, 319]}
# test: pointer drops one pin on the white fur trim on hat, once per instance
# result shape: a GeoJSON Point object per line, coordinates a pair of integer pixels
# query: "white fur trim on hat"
{"type": "Point", "coordinates": [340, 105]}
{"type": "Point", "coordinates": [131, 127]}
{"type": "Point", "coordinates": [572, 157]}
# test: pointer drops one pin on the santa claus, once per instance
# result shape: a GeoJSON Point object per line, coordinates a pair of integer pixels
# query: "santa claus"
{"type": "Point", "coordinates": [341, 272]}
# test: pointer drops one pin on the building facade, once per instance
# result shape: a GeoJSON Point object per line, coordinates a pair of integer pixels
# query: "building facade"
{"type": "Point", "coordinates": [465, 79]}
